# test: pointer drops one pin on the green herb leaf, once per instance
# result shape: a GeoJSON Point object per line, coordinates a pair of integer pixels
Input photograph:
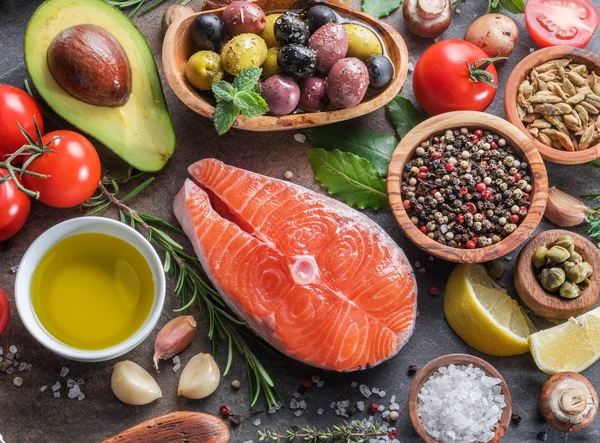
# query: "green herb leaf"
{"type": "Point", "coordinates": [223, 91]}
{"type": "Point", "coordinates": [594, 163]}
{"type": "Point", "coordinates": [494, 6]}
{"type": "Point", "coordinates": [373, 146]}
{"type": "Point", "coordinates": [350, 177]}
{"type": "Point", "coordinates": [380, 8]}
{"type": "Point", "coordinates": [513, 6]}
{"type": "Point", "coordinates": [251, 104]}
{"type": "Point", "coordinates": [246, 80]}
{"type": "Point", "coordinates": [405, 115]}
{"type": "Point", "coordinates": [225, 115]}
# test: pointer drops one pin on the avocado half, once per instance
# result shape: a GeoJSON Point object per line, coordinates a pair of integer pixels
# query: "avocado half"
{"type": "Point", "coordinates": [141, 131]}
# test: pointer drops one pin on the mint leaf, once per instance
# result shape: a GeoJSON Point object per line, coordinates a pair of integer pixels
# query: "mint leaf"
{"type": "Point", "coordinates": [246, 80]}
{"type": "Point", "coordinates": [350, 177]}
{"type": "Point", "coordinates": [513, 6]}
{"type": "Point", "coordinates": [380, 8]}
{"type": "Point", "coordinates": [225, 115]}
{"type": "Point", "coordinates": [251, 104]}
{"type": "Point", "coordinates": [373, 146]}
{"type": "Point", "coordinates": [223, 91]}
{"type": "Point", "coordinates": [404, 115]}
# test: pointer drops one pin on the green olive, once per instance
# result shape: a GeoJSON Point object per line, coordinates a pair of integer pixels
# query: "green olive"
{"type": "Point", "coordinates": [362, 42]}
{"type": "Point", "coordinates": [270, 66]}
{"type": "Point", "coordinates": [242, 52]}
{"type": "Point", "coordinates": [268, 35]}
{"type": "Point", "coordinates": [203, 69]}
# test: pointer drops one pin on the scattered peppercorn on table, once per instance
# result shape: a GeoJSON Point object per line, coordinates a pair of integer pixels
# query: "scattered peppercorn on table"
{"type": "Point", "coordinates": [29, 411]}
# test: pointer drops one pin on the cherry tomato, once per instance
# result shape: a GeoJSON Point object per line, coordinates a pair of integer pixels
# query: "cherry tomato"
{"type": "Point", "coordinates": [14, 210]}
{"type": "Point", "coordinates": [4, 311]}
{"type": "Point", "coordinates": [442, 82]}
{"type": "Point", "coordinates": [17, 106]}
{"type": "Point", "coordinates": [73, 170]}
{"type": "Point", "coordinates": [561, 22]}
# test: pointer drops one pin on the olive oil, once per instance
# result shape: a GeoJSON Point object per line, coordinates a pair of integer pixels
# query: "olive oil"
{"type": "Point", "coordinates": [92, 291]}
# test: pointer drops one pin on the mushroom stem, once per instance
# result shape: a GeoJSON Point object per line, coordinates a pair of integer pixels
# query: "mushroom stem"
{"type": "Point", "coordinates": [430, 9]}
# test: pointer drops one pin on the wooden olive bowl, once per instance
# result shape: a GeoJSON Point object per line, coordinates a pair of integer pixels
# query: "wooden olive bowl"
{"type": "Point", "coordinates": [177, 47]}
{"type": "Point", "coordinates": [456, 359]}
{"type": "Point", "coordinates": [472, 120]}
{"type": "Point", "coordinates": [521, 71]}
{"type": "Point", "coordinates": [553, 305]}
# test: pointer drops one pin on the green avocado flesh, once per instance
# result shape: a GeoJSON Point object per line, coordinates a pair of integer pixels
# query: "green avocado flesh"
{"type": "Point", "coordinates": [141, 131]}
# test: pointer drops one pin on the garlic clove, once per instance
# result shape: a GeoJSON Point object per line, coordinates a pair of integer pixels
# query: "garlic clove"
{"type": "Point", "coordinates": [133, 385]}
{"type": "Point", "coordinates": [199, 378]}
{"type": "Point", "coordinates": [174, 337]}
{"type": "Point", "coordinates": [564, 210]}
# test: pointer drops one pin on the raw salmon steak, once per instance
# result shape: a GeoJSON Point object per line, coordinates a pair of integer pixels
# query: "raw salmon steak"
{"type": "Point", "coordinates": [318, 280]}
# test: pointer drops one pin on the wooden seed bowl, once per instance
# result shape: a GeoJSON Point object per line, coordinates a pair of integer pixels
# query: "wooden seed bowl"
{"type": "Point", "coordinates": [552, 305]}
{"type": "Point", "coordinates": [456, 359]}
{"type": "Point", "coordinates": [521, 71]}
{"type": "Point", "coordinates": [177, 48]}
{"type": "Point", "coordinates": [472, 120]}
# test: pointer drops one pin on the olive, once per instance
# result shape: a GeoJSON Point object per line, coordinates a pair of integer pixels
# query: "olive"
{"type": "Point", "coordinates": [347, 82]}
{"type": "Point", "coordinates": [203, 69]}
{"type": "Point", "coordinates": [242, 52]}
{"type": "Point", "coordinates": [381, 71]}
{"type": "Point", "coordinates": [281, 94]}
{"type": "Point", "coordinates": [270, 66]}
{"type": "Point", "coordinates": [208, 32]}
{"type": "Point", "coordinates": [362, 42]}
{"type": "Point", "coordinates": [290, 30]}
{"type": "Point", "coordinates": [330, 42]}
{"type": "Point", "coordinates": [243, 18]}
{"type": "Point", "coordinates": [319, 15]}
{"type": "Point", "coordinates": [297, 61]}
{"type": "Point", "coordinates": [268, 35]}
{"type": "Point", "coordinates": [313, 94]}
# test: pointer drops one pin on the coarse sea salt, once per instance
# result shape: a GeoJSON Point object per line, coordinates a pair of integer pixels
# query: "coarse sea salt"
{"type": "Point", "coordinates": [460, 404]}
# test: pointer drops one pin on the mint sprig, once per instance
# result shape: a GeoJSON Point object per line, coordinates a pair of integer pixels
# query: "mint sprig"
{"type": "Point", "coordinates": [241, 96]}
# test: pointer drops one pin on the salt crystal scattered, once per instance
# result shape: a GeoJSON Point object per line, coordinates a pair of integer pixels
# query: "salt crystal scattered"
{"type": "Point", "coordinates": [360, 405]}
{"type": "Point", "coordinates": [421, 270]}
{"type": "Point", "coordinates": [302, 404]}
{"type": "Point", "coordinates": [417, 264]}
{"type": "Point", "coordinates": [13, 349]}
{"type": "Point", "coordinates": [57, 394]}
{"type": "Point", "coordinates": [43, 388]}
{"type": "Point", "coordinates": [457, 10]}
{"type": "Point", "coordinates": [18, 381]}
{"type": "Point", "coordinates": [431, 258]}
{"type": "Point", "coordinates": [22, 367]}
{"type": "Point", "coordinates": [294, 404]}
{"type": "Point", "coordinates": [2, 350]}
{"type": "Point", "coordinates": [272, 410]}
{"type": "Point", "coordinates": [393, 399]}
{"type": "Point", "coordinates": [64, 371]}
{"type": "Point", "coordinates": [353, 384]}
{"type": "Point", "coordinates": [394, 407]}
{"type": "Point", "coordinates": [29, 367]}
{"type": "Point", "coordinates": [297, 395]}
{"type": "Point", "coordinates": [56, 386]}
{"type": "Point", "coordinates": [81, 396]}
{"type": "Point", "coordinates": [381, 408]}
{"type": "Point", "coordinates": [256, 422]}
{"type": "Point", "coordinates": [278, 405]}
{"type": "Point", "coordinates": [385, 414]}
{"type": "Point", "coordinates": [298, 413]}
{"type": "Point", "coordinates": [14, 269]}
{"type": "Point", "coordinates": [411, 67]}
{"type": "Point", "coordinates": [382, 394]}
{"type": "Point", "coordinates": [10, 356]}
{"type": "Point", "coordinates": [315, 379]}
{"type": "Point", "coordinates": [320, 411]}
{"type": "Point", "coordinates": [374, 390]}
{"type": "Point", "coordinates": [364, 390]}
{"type": "Point", "coordinates": [320, 384]}
{"type": "Point", "coordinates": [176, 360]}
{"type": "Point", "coordinates": [531, 50]}
{"type": "Point", "coordinates": [74, 392]}
{"type": "Point", "coordinates": [81, 381]}
{"type": "Point", "coordinates": [70, 383]}
{"type": "Point", "coordinates": [10, 370]}
{"type": "Point", "coordinates": [300, 138]}
{"type": "Point", "coordinates": [332, 405]}
{"type": "Point", "coordinates": [176, 367]}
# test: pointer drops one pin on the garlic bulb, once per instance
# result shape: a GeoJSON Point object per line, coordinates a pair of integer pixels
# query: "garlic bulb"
{"type": "Point", "coordinates": [174, 337]}
{"type": "Point", "coordinates": [200, 377]}
{"type": "Point", "coordinates": [133, 385]}
{"type": "Point", "coordinates": [564, 210]}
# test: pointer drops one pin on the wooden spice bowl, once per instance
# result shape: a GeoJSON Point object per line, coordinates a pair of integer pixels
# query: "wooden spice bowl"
{"type": "Point", "coordinates": [456, 359]}
{"type": "Point", "coordinates": [552, 305]}
{"type": "Point", "coordinates": [472, 120]}
{"type": "Point", "coordinates": [177, 48]}
{"type": "Point", "coordinates": [521, 71]}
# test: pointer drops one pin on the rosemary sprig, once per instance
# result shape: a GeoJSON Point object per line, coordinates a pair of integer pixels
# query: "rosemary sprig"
{"type": "Point", "coordinates": [593, 214]}
{"type": "Point", "coordinates": [135, 5]}
{"type": "Point", "coordinates": [192, 285]}
{"type": "Point", "coordinates": [342, 433]}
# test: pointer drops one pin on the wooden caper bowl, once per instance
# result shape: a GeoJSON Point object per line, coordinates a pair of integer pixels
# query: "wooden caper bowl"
{"type": "Point", "coordinates": [456, 359]}
{"type": "Point", "coordinates": [177, 48]}
{"type": "Point", "coordinates": [521, 71]}
{"type": "Point", "coordinates": [472, 120]}
{"type": "Point", "coordinates": [552, 305]}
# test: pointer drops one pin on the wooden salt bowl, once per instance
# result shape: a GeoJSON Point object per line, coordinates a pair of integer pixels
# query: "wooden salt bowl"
{"type": "Point", "coordinates": [177, 48]}
{"type": "Point", "coordinates": [456, 359]}
{"type": "Point", "coordinates": [591, 60]}
{"type": "Point", "coordinates": [552, 305]}
{"type": "Point", "coordinates": [470, 119]}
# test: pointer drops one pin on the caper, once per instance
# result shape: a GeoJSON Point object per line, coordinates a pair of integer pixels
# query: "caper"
{"type": "Point", "coordinates": [577, 272]}
{"type": "Point", "coordinates": [566, 241]}
{"type": "Point", "coordinates": [557, 254]}
{"type": "Point", "coordinates": [539, 257]}
{"type": "Point", "coordinates": [588, 269]}
{"type": "Point", "coordinates": [552, 278]}
{"type": "Point", "coordinates": [495, 268]}
{"type": "Point", "coordinates": [575, 257]}
{"type": "Point", "coordinates": [569, 290]}
{"type": "Point", "coordinates": [584, 284]}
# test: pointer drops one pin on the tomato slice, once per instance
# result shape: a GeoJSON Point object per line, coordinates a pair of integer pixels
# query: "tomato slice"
{"type": "Point", "coordinates": [4, 311]}
{"type": "Point", "coordinates": [561, 22]}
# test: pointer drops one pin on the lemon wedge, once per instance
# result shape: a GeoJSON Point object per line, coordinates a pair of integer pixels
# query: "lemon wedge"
{"type": "Point", "coordinates": [483, 314]}
{"type": "Point", "coordinates": [572, 346]}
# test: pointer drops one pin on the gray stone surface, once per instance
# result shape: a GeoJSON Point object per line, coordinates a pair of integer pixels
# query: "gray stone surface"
{"type": "Point", "coordinates": [30, 416]}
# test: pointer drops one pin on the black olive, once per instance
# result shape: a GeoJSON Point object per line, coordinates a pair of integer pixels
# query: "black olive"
{"type": "Point", "coordinates": [290, 30]}
{"type": "Point", "coordinates": [319, 15]}
{"type": "Point", "coordinates": [297, 61]}
{"type": "Point", "coordinates": [381, 71]}
{"type": "Point", "coordinates": [208, 32]}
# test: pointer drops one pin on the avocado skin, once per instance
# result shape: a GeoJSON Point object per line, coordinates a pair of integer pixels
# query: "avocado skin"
{"type": "Point", "coordinates": [141, 132]}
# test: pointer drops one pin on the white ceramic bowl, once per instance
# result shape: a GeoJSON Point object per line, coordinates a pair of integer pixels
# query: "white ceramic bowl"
{"type": "Point", "coordinates": [67, 229]}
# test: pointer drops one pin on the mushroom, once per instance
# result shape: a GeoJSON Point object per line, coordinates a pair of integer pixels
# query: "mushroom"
{"type": "Point", "coordinates": [427, 18]}
{"type": "Point", "coordinates": [568, 402]}
{"type": "Point", "coordinates": [174, 13]}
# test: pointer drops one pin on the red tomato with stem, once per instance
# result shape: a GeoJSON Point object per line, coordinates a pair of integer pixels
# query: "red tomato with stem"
{"type": "Point", "coordinates": [445, 80]}
{"type": "Point", "coordinates": [14, 209]}
{"type": "Point", "coordinates": [4, 311]}
{"type": "Point", "coordinates": [561, 22]}
{"type": "Point", "coordinates": [73, 170]}
{"type": "Point", "coordinates": [17, 106]}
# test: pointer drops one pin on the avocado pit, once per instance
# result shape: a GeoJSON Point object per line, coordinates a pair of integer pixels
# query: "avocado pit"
{"type": "Point", "coordinates": [90, 64]}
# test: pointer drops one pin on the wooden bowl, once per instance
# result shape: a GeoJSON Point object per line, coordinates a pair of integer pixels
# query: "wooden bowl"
{"type": "Point", "coordinates": [591, 60]}
{"type": "Point", "coordinates": [177, 47]}
{"type": "Point", "coordinates": [470, 119]}
{"type": "Point", "coordinates": [552, 305]}
{"type": "Point", "coordinates": [456, 359]}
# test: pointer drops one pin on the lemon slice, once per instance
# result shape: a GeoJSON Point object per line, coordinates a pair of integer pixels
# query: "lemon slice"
{"type": "Point", "coordinates": [483, 314]}
{"type": "Point", "coordinates": [572, 346]}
